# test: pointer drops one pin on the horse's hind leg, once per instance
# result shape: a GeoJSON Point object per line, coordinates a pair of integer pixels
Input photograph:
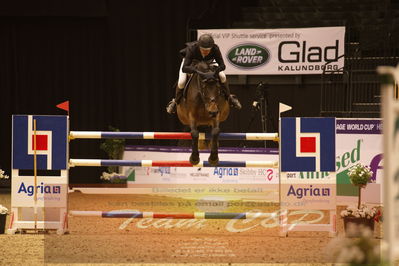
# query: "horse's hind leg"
{"type": "Point", "coordinates": [214, 157]}
{"type": "Point", "coordinates": [194, 157]}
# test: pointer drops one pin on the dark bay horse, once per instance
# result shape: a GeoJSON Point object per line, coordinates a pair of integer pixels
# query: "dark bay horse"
{"type": "Point", "coordinates": [204, 105]}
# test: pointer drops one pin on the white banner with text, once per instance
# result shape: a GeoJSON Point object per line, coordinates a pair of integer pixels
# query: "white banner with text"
{"type": "Point", "coordinates": [280, 51]}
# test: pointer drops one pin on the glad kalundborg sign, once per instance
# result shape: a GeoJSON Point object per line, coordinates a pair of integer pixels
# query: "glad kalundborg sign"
{"type": "Point", "coordinates": [280, 51]}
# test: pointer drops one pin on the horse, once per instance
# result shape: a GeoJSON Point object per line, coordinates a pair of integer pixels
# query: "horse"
{"type": "Point", "coordinates": [204, 104]}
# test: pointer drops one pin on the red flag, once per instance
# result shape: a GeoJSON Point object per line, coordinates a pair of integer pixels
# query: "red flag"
{"type": "Point", "coordinates": [64, 106]}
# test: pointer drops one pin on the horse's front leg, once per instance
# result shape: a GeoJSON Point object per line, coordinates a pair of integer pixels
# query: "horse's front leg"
{"type": "Point", "coordinates": [214, 157]}
{"type": "Point", "coordinates": [194, 157]}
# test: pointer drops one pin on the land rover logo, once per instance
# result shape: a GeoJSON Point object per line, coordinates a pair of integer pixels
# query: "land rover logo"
{"type": "Point", "coordinates": [248, 55]}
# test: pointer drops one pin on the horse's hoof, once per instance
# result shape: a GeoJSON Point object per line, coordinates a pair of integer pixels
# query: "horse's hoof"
{"type": "Point", "coordinates": [213, 161]}
{"type": "Point", "coordinates": [194, 160]}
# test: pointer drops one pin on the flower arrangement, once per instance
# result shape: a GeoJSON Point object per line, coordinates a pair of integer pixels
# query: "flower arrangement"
{"type": "Point", "coordinates": [360, 175]}
{"type": "Point", "coordinates": [114, 149]}
{"type": "Point", "coordinates": [2, 175]}
{"type": "Point", "coordinates": [363, 212]}
{"type": "Point", "coordinates": [3, 210]}
{"type": "Point", "coordinates": [113, 178]}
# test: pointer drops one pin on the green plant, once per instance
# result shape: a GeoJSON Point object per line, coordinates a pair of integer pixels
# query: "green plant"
{"type": "Point", "coordinates": [360, 175]}
{"type": "Point", "coordinates": [114, 149]}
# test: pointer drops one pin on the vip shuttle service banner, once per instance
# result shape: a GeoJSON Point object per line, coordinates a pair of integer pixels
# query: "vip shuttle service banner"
{"type": "Point", "coordinates": [280, 51]}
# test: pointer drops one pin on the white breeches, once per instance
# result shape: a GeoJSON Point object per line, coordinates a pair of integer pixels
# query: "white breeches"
{"type": "Point", "coordinates": [183, 76]}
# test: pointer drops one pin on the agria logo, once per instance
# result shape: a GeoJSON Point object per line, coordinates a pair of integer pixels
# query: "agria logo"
{"type": "Point", "coordinates": [307, 144]}
{"type": "Point", "coordinates": [51, 142]}
{"type": "Point", "coordinates": [248, 55]}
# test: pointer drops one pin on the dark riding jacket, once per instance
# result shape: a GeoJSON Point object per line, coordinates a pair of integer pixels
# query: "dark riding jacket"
{"type": "Point", "coordinates": [192, 52]}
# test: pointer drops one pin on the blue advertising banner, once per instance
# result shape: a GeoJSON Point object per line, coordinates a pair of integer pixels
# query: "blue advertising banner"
{"type": "Point", "coordinates": [51, 142]}
{"type": "Point", "coordinates": [307, 144]}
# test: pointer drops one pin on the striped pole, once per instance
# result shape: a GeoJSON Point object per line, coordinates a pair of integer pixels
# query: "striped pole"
{"type": "Point", "coordinates": [194, 215]}
{"type": "Point", "coordinates": [150, 163]}
{"type": "Point", "coordinates": [168, 135]}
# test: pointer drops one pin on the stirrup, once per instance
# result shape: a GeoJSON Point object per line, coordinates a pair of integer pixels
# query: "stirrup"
{"type": "Point", "coordinates": [171, 107]}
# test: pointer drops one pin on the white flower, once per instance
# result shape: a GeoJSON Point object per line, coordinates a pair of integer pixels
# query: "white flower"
{"type": "Point", "coordinates": [3, 210]}
{"type": "Point", "coordinates": [361, 250]}
{"type": "Point", "coordinates": [2, 175]}
{"type": "Point", "coordinates": [351, 209]}
{"type": "Point", "coordinates": [105, 176]}
{"type": "Point", "coordinates": [364, 211]}
{"type": "Point", "coordinates": [113, 177]}
{"type": "Point", "coordinates": [357, 254]}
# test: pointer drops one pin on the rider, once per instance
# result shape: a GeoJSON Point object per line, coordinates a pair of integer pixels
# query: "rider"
{"type": "Point", "coordinates": [204, 49]}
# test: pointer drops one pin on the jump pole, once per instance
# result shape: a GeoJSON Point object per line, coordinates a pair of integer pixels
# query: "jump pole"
{"type": "Point", "coordinates": [154, 215]}
{"type": "Point", "coordinates": [169, 135]}
{"type": "Point", "coordinates": [150, 163]}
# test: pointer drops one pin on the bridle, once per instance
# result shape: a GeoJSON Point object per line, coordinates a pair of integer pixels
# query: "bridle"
{"type": "Point", "coordinates": [202, 88]}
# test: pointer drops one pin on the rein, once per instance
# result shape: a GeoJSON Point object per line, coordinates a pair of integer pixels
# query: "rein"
{"type": "Point", "coordinates": [202, 88]}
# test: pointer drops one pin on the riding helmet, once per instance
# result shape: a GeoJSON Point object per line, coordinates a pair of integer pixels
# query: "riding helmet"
{"type": "Point", "coordinates": [206, 41]}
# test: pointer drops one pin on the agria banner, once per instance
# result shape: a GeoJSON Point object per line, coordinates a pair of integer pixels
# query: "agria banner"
{"type": "Point", "coordinates": [280, 51]}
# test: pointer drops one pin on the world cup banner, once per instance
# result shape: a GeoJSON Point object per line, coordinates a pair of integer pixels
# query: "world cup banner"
{"type": "Point", "coordinates": [280, 51]}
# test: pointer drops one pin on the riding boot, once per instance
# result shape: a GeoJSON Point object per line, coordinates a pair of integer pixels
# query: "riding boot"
{"type": "Point", "coordinates": [233, 100]}
{"type": "Point", "coordinates": [171, 107]}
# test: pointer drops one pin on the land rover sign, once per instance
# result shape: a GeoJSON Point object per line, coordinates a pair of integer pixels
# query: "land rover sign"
{"type": "Point", "coordinates": [248, 55]}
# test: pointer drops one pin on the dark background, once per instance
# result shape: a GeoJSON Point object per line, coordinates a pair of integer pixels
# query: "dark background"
{"type": "Point", "coordinates": [117, 60]}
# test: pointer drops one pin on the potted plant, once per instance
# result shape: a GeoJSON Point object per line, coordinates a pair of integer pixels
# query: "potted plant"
{"type": "Point", "coordinates": [114, 149]}
{"type": "Point", "coordinates": [3, 216]}
{"type": "Point", "coordinates": [3, 176]}
{"type": "Point", "coordinates": [3, 210]}
{"type": "Point", "coordinates": [360, 175]}
{"type": "Point", "coordinates": [114, 178]}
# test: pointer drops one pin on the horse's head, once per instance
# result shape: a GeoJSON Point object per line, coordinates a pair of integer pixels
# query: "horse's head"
{"type": "Point", "coordinates": [209, 88]}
